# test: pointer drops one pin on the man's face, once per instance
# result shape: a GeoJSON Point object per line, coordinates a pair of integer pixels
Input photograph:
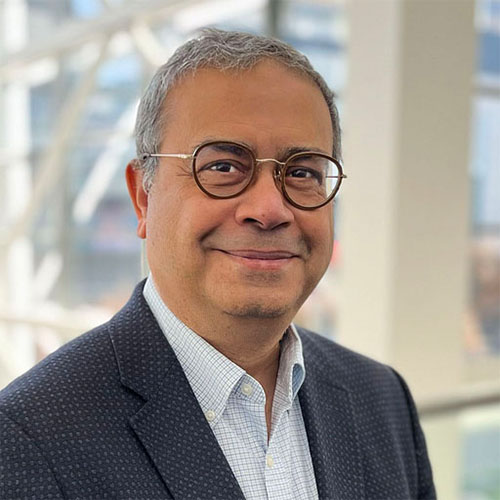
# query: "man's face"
{"type": "Point", "coordinates": [250, 256]}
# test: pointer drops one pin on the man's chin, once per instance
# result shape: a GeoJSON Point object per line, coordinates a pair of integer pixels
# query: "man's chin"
{"type": "Point", "coordinates": [258, 311]}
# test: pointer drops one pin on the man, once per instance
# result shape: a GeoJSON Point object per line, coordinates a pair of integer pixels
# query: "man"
{"type": "Point", "coordinates": [200, 387]}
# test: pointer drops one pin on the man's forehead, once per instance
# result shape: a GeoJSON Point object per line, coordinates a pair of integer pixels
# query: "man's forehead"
{"type": "Point", "coordinates": [218, 100]}
{"type": "Point", "coordinates": [238, 77]}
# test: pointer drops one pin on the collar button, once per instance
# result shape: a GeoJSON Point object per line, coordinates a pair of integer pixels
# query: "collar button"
{"type": "Point", "coordinates": [210, 415]}
{"type": "Point", "coordinates": [247, 389]}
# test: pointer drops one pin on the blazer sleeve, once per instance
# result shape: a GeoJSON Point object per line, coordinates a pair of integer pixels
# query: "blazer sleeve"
{"type": "Point", "coordinates": [24, 472]}
{"type": "Point", "coordinates": [426, 490]}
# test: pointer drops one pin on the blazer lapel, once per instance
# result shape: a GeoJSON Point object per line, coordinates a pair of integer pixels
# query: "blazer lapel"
{"type": "Point", "coordinates": [331, 429]}
{"type": "Point", "coordinates": [179, 440]}
{"type": "Point", "coordinates": [171, 425]}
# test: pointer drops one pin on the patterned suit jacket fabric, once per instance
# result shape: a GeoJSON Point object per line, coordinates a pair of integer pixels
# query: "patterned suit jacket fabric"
{"type": "Point", "coordinates": [111, 415]}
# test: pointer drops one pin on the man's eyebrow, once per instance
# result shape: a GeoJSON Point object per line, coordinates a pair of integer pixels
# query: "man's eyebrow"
{"type": "Point", "coordinates": [211, 138]}
{"type": "Point", "coordinates": [284, 153]}
{"type": "Point", "coordinates": [230, 148]}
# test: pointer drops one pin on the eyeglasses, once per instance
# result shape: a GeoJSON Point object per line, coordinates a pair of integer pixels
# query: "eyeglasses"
{"type": "Point", "coordinates": [224, 169]}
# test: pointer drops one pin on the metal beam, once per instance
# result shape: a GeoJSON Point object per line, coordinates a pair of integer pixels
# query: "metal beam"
{"type": "Point", "coordinates": [473, 396]}
{"type": "Point", "coordinates": [77, 33]}
{"type": "Point", "coordinates": [68, 321]}
{"type": "Point", "coordinates": [52, 164]}
{"type": "Point", "coordinates": [274, 8]}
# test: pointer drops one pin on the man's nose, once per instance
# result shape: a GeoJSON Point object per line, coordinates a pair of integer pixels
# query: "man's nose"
{"type": "Point", "coordinates": [263, 203]}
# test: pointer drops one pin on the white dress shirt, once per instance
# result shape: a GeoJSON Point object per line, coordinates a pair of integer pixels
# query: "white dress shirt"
{"type": "Point", "coordinates": [234, 405]}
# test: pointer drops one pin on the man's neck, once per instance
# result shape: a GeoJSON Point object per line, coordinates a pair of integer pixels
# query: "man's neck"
{"type": "Point", "coordinates": [252, 343]}
{"type": "Point", "coordinates": [258, 354]}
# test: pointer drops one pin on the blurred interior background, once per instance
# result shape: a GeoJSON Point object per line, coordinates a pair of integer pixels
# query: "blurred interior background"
{"type": "Point", "coordinates": [415, 276]}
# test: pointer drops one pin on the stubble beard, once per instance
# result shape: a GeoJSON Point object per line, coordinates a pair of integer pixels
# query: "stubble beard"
{"type": "Point", "coordinates": [267, 308]}
{"type": "Point", "coordinates": [258, 311]}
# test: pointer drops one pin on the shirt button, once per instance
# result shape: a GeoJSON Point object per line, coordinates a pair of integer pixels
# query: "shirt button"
{"type": "Point", "coordinates": [210, 415]}
{"type": "Point", "coordinates": [269, 461]}
{"type": "Point", "coordinates": [246, 389]}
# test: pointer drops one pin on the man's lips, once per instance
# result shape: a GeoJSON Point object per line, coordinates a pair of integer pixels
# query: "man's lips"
{"type": "Point", "coordinates": [261, 260]}
{"type": "Point", "coordinates": [260, 254]}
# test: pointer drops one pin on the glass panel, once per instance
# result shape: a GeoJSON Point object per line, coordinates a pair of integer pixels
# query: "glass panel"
{"type": "Point", "coordinates": [46, 18]}
{"type": "Point", "coordinates": [483, 321]}
{"type": "Point", "coordinates": [464, 449]}
{"type": "Point", "coordinates": [481, 454]}
{"type": "Point", "coordinates": [319, 30]}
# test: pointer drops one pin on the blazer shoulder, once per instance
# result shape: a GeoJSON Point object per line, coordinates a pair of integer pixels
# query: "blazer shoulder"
{"type": "Point", "coordinates": [18, 454]}
{"type": "Point", "coordinates": [72, 373]}
{"type": "Point", "coordinates": [83, 377]}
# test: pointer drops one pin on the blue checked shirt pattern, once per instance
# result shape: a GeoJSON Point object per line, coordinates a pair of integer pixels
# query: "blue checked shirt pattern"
{"type": "Point", "coordinates": [233, 403]}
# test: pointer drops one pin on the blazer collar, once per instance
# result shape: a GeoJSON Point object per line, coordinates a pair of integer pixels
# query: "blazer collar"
{"type": "Point", "coordinates": [330, 424]}
{"type": "Point", "coordinates": [171, 425]}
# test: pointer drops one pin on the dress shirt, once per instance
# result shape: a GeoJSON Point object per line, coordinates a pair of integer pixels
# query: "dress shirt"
{"type": "Point", "coordinates": [234, 405]}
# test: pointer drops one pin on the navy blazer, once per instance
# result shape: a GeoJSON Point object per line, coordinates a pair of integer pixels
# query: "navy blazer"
{"type": "Point", "coordinates": [112, 415]}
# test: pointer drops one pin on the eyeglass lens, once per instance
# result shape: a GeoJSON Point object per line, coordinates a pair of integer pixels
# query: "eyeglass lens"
{"type": "Point", "coordinates": [225, 169]}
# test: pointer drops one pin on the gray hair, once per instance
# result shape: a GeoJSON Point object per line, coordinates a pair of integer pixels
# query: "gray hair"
{"type": "Point", "coordinates": [222, 50]}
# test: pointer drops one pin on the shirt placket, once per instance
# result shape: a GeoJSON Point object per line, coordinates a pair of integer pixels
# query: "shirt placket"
{"type": "Point", "coordinates": [277, 462]}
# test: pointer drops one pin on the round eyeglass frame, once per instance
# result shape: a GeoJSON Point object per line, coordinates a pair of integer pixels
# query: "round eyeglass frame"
{"type": "Point", "coordinates": [279, 172]}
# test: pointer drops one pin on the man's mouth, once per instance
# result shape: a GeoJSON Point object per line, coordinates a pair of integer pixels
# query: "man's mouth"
{"type": "Point", "coordinates": [261, 260]}
{"type": "Point", "coordinates": [261, 254]}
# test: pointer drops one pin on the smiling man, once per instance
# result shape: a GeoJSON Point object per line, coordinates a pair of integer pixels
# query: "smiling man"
{"type": "Point", "coordinates": [201, 387]}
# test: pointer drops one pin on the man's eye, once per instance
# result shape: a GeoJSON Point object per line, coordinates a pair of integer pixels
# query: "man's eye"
{"type": "Point", "coordinates": [300, 172]}
{"type": "Point", "coordinates": [223, 167]}
{"type": "Point", "coordinates": [305, 173]}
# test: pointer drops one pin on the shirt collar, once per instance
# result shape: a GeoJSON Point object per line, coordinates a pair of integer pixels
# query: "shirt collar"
{"type": "Point", "coordinates": [291, 373]}
{"type": "Point", "coordinates": [212, 375]}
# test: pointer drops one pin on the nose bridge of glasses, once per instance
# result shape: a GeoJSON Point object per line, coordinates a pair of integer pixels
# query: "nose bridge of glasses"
{"type": "Point", "coordinates": [259, 161]}
{"type": "Point", "coordinates": [277, 171]}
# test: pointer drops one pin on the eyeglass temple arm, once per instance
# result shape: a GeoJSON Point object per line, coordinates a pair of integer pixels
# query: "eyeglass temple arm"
{"type": "Point", "coordinates": [145, 156]}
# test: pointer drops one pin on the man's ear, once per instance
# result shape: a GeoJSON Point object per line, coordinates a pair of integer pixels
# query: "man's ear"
{"type": "Point", "coordinates": [138, 196]}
